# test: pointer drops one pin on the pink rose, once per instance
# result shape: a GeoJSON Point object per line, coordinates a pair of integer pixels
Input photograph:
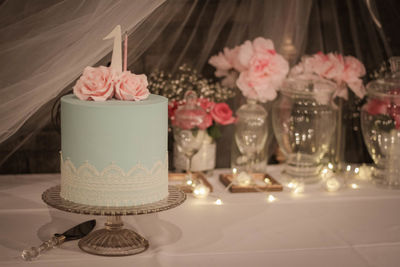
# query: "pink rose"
{"type": "Point", "coordinates": [205, 104]}
{"type": "Point", "coordinates": [95, 84]}
{"type": "Point", "coordinates": [131, 87]}
{"type": "Point", "coordinates": [222, 114]}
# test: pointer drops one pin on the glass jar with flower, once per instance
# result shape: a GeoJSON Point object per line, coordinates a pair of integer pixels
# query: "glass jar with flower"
{"type": "Point", "coordinates": [346, 73]}
{"type": "Point", "coordinates": [257, 70]}
{"type": "Point", "coordinates": [303, 120]}
{"type": "Point", "coordinates": [212, 98]}
{"type": "Point", "coordinates": [380, 122]}
{"type": "Point", "coordinates": [217, 114]}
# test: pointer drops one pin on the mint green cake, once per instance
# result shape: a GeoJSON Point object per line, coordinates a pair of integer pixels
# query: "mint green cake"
{"type": "Point", "coordinates": [114, 153]}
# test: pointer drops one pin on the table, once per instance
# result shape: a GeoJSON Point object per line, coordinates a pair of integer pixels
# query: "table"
{"type": "Point", "coordinates": [317, 228]}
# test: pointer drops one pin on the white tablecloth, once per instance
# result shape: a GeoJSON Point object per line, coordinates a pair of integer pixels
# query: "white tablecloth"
{"type": "Point", "coordinates": [346, 228]}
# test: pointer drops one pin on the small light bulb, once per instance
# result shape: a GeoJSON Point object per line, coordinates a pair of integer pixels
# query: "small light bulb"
{"type": "Point", "coordinates": [354, 186]}
{"type": "Point", "coordinates": [356, 170]}
{"type": "Point", "coordinates": [234, 170]}
{"type": "Point", "coordinates": [298, 189]}
{"type": "Point", "coordinates": [348, 168]}
{"type": "Point", "coordinates": [267, 181]}
{"type": "Point", "coordinates": [201, 191]}
{"type": "Point", "coordinates": [325, 171]}
{"type": "Point", "coordinates": [218, 202]}
{"type": "Point", "coordinates": [332, 184]}
{"type": "Point", "coordinates": [330, 165]}
{"type": "Point", "coordinates": [189, 182]}
{"type": "Point", "coordinates": [271, 198]}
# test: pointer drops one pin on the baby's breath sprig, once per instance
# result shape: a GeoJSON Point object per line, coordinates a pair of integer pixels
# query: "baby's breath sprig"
{"type": "Point", "coordinates": [174, 86]}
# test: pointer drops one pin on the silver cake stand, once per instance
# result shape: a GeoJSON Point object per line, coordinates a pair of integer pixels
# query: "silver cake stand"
{"type": "Point", "coordinates": [113, 240]}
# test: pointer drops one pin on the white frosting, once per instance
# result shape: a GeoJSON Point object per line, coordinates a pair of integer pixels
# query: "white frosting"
{"type": "Point", "coordinates": [112, 186]}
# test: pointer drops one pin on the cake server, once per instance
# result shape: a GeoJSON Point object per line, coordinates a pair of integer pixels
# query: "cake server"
{"type": "Point", "coordinates": [76, 232]}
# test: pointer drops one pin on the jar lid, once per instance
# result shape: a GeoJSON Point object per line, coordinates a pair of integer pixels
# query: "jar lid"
{"type": "Point", "coordinates": [308, 85]}
{"type": "Point", "coordinates": [190, 115]}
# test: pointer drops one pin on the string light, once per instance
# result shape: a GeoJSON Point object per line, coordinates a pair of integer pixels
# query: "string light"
{"type": "Point", "coordinates": [332, 184]}
{"type": "Point", "coordinates": [330, 165]}
{"type": "Point", "coordinates": [348, 168]}
{"type": "Point", "coordinates": [201, 191]}
{"type": "Point", "coordinates": [356, 170]}
{"type": "Point", "coordinates": [271, 198]}
{"type": "Point", "coordinates": [354, 186]}
{"type": "Point", "coordinates": [218, 202]}
{"type": "Point", "coordinates": [296, 187]}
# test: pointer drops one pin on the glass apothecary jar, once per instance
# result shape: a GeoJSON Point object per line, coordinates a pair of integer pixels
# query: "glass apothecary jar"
{"type": "Point", "coordinates": [250, 136]}
{"type": "Point", "coordinates": [380, 123]}
{"type": "Point", "coordinates": [303, 120]}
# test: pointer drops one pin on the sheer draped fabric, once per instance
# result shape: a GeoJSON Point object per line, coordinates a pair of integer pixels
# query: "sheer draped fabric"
{"type": "Point", "coordinates": [45, 45]}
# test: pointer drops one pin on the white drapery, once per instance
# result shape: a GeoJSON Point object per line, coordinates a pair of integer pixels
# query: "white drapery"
{"type": "Point", "coordinates": [44, 45]}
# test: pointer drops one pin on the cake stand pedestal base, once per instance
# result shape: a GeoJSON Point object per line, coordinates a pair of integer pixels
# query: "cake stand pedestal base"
{"type": "Point", "coordinates": [113, 240]}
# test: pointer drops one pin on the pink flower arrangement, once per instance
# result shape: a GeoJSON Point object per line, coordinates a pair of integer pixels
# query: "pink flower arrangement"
{"type": "Point", "coordinates": [254, 67]}
{"type": "Point", "coordinates": [216, 113]}
{"type": "Point", "coordinates": [386, 106]}
{"type": "Point", "coordinates": [101, 84]}
{"type": "Point", "coordinates": [342, 70]}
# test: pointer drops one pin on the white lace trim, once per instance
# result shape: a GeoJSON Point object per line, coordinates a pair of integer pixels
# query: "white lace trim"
{"type": "Point", "coordinates": [112, 186]}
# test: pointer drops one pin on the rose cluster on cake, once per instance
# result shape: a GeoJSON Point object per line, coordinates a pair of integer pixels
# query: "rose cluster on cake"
{"type": "Point", "coordinates": [101, 84]}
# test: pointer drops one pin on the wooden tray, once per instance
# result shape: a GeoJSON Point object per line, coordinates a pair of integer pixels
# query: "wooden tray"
{"type": "Point", "coordinates": [227, 179]}
{"type": "Point", "coordinates": [178, 179]}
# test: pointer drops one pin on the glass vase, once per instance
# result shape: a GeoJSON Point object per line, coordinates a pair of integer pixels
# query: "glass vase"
{"type": "Point", "coordinates": [250, 136]}
{"type": "Point", "coordinates": [303, 119]}
{"type": "Point", "coordinates": [203, 160]}
{"type": "Point", "coordinates": [380, 124]}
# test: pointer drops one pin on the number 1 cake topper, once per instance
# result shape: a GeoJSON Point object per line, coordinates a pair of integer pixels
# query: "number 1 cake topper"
{"type": "Point", "coordinates": [116, 59]}
{"type": "Point", "coordinates": [104, 83]}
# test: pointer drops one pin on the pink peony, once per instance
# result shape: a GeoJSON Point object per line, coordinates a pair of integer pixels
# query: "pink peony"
{"type": "Point", "coordinates": [95, 84]}
{"type": "Point", "coordinates": [233, 58]}
{"type": "Point", "coordinates": [220, 62]}
{"type": "Point", "coordinates": [353, 70]}
{"type": "Point", "coordinates": [131, 87]}
{"type": "Point", "coordinates": [265, 74]}
{"type": "Point", "coordinates": [334, 67]}
{"type": "Point", "coordinates": [222, 114]}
